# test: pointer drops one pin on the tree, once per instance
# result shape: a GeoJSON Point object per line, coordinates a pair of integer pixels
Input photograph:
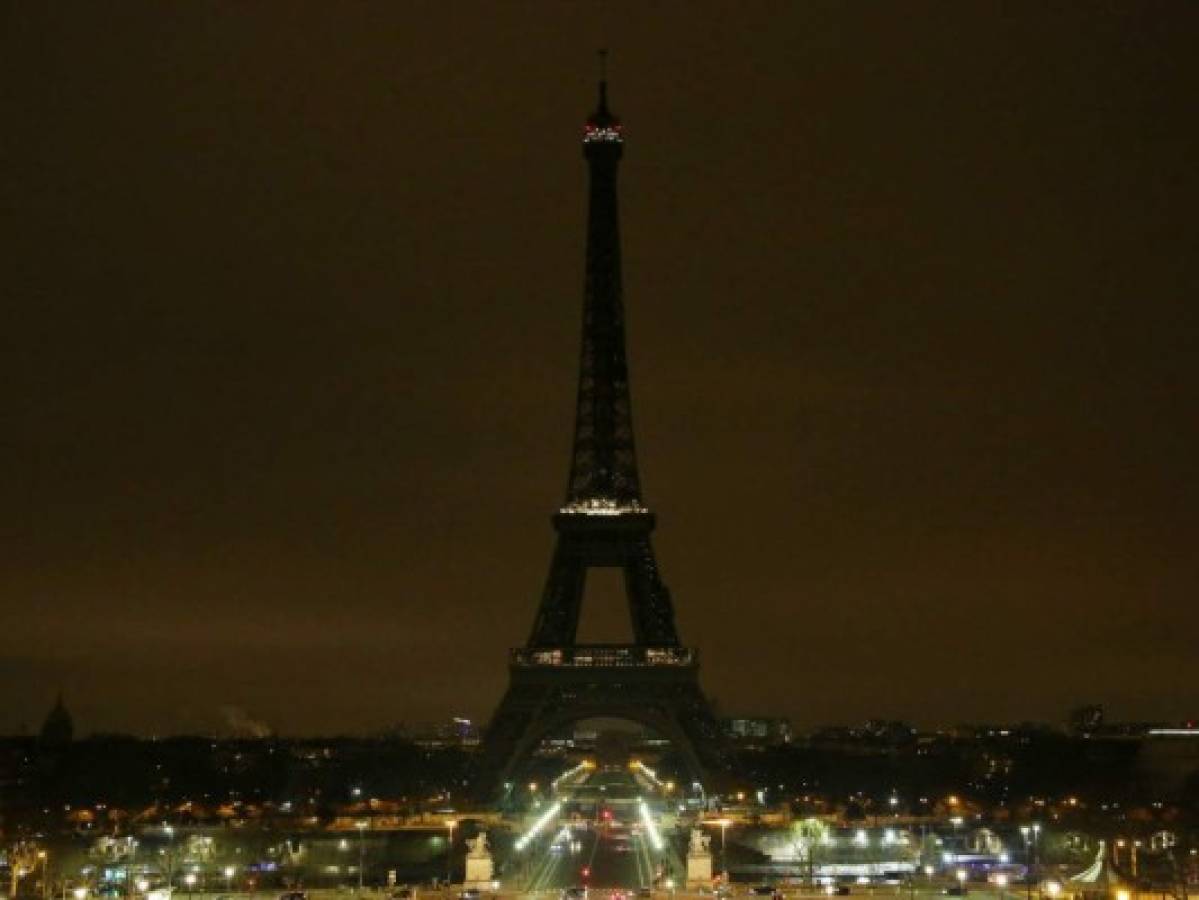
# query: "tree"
{"type": "Point", "coordinates": [806, 835]}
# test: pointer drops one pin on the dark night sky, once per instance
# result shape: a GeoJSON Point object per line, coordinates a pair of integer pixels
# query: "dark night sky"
{"type": "Point", "coordinates": [291, 308]}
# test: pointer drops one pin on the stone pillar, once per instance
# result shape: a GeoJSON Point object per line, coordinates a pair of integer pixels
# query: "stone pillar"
{"type": "Point", "coordinates": [699, 861]}
{"type": "Point", "coordinates": [479, 865]}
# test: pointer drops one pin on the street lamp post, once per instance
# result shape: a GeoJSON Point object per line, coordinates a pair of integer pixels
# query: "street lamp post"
{"type": "Point", "coordinates": [1036, 862]}
{"type": "Point", "coordinates": [724, 857]}
{"type": "Point", "coordinates": [361, 826]}
{"type": "Point", "coordinates": [1024, 831]}
{"type": "Point", "coordinates": [170, 833]}
{"type": "Point", "coordinates": [451, 824]}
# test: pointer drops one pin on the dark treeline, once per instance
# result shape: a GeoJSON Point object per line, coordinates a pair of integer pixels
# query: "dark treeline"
{"type": "Point", "coordinates": [121, 771]}
{"type": "Point", "coordinates": [1012, 768]}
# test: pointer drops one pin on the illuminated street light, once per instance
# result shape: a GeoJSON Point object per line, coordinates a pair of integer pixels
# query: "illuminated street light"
{"type": "Point", "coordinates": [1054, 888]}
{"type": "Point", "coordinates": [724, 859]}
{"type": "Point", "coordinates": [451, 824]}
{"type": "Point", "coordinates": [170, 833]}
{"type": "Point", "coordinates": [361, 826]}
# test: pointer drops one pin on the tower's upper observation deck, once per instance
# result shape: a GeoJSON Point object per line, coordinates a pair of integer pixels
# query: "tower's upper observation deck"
{"type": "Point", "coordinates": [602, 126]}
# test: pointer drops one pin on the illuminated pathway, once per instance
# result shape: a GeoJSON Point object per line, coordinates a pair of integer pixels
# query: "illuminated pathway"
{"type": "Point", "coordinates": [615, 841]}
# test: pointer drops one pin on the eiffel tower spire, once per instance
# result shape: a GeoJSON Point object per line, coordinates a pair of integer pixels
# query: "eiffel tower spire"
{"type": "Point", "coordinates": [603, 470]}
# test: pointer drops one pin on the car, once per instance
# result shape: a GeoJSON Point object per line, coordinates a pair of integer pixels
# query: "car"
{"type": "Point", "coordinates": [841, 890]}
{"type": "Point", "coordinates": [762, 890]}
{"type": "Point", "coordinates": [644, 892]}
{"type": "Point", "coordinates": [294, 895]}
{"type": "Point", "coordinates": [403, 893]}
{"type": "Point", "coordinates": [955, 890]}
{"type": "Point", "coordinates": [470, 894]}
{"type": "Point", "coordinates": [574, 893]}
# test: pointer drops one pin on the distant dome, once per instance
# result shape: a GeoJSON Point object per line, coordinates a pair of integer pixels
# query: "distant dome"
{"type": "Point", "coordinates": [58, 728]}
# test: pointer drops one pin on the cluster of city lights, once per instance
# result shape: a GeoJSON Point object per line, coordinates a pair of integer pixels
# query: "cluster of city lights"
{"type": "Point", "coordinates": [585, 766]}
{"type": "Point", "coordinates": [638, 766]}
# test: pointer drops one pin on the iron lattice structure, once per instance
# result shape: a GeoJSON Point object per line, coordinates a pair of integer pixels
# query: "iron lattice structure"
{"type": "Point", "coordinates": [554, 680]}
{"type": "Point", "coordinates": [603, 469]}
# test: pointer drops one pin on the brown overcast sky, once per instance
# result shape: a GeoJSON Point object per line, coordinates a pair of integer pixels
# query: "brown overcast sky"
{"type": "Point", "coordinates": [291, 301]}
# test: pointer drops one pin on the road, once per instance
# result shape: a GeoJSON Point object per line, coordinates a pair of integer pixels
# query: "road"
{"type": "Point", "coordinates": [604, 848]}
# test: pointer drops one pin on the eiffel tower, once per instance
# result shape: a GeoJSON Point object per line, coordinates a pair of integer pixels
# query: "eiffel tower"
{"type": "Point", "coordinates": [553, 680]}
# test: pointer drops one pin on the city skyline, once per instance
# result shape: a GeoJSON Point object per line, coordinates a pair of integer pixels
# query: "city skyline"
{"type": "Point", "coordinates": [293, 378]}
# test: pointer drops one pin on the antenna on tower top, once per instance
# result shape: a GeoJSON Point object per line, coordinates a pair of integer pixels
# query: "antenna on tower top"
{"type": "Point", "coordinates": [603, 85]}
